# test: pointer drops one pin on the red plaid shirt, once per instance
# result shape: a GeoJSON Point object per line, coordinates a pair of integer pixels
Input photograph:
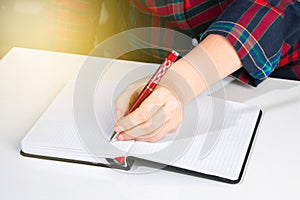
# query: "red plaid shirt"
{"type": "Point", "coordinates": [71, 25]}
{"type": "Point", "coordinates": [265, 34]}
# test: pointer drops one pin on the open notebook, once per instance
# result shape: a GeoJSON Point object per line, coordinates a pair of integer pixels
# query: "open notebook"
{"type": "Point", "coordinates": [213, 141]}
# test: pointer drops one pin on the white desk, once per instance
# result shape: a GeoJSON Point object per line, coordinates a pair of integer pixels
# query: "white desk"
{"type": "Point", "coordinates": [30, 79]}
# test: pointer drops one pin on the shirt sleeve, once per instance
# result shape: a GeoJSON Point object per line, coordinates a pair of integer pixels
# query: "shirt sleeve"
{"type": "Point", "coordinates": [257, 30]}
{"type": "Point", "coordinates": [70, 25]}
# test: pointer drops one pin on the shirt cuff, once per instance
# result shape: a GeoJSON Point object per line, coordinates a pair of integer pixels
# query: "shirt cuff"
{"type": "Point", "coordinates": [255, 42]}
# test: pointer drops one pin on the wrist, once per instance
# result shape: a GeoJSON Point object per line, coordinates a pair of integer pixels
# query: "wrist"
{"type": "Point", "coordinates": [222, 54]}
{"type": "Point", "coordinates": [211, 61]}
{"type": "Point", "coordinates": [192, 74]}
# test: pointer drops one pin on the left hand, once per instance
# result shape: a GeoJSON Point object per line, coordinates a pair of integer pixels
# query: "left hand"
{"type": "Point", "coordinates": [159, 114]}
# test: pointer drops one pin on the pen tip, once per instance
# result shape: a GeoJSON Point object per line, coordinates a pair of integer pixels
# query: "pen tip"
{"type": "Point", "coordinates": [112, 136]}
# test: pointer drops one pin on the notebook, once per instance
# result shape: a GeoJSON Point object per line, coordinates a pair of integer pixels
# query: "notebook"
{"type": "Point", "coordinates": [213, 141]}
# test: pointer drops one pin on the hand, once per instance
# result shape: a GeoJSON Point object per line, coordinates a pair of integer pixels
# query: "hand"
{"type": "Point", "coordinates": [159, 114]}
{"type": "Point", "coordinates": [212, 60]}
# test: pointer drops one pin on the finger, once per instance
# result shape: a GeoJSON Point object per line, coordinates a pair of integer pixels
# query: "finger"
{"type": "Point", "coordinates": [122, 102]}
{"type": "Point", "coordinates": [156, 134]}
{"type": "Point", "coordinates": [153, 123]}
{"type": "Point", "coordinates": [118, 114]}
{"type": "Point", "coordinates": [142, 114]}
{"type": "Point", "coordinates": [144, 138]}
{"type": "Point", "coordinates": [169, 126]}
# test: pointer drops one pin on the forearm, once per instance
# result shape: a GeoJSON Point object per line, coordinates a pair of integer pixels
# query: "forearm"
{"type": "Point", "coordinates": [201, 71]}
{"type": "Point", "coordinates": [222, 53]}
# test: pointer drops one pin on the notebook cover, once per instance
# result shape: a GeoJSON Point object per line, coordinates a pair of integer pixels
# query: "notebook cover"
{"type": "Point", "coordinates": [128, 167]}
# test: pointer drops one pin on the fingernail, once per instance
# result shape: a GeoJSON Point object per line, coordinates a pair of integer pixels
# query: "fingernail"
{"type": "Point", "coordinates": [118, 129]}
{"type": "Point", "coordinates": [120, 137]}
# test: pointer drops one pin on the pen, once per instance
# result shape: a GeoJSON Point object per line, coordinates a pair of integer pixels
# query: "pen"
{"type": "Point", "coordinates": [152, 83]}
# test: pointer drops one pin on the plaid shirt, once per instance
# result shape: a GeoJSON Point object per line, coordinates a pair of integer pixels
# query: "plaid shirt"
{"type": "Point", "coordinates": [265, 34]}
{"type": "Point", "coordinates": [70, 25]}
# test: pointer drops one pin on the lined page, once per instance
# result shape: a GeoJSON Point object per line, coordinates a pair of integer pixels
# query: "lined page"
{"type": "Point", "coordinates": [224, 157]}
{"type": "Point", "coordinates": [197, 145]}
{"type": "Point", "coordinates": [55, 133]}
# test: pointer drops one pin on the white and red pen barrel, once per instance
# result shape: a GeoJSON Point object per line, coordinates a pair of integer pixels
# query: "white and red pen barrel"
{"type": "Point", "coordinates": [151, 85]}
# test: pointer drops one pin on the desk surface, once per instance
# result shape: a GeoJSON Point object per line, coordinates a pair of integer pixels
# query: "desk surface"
{"type": "Point", "coordinates": [29, 81]}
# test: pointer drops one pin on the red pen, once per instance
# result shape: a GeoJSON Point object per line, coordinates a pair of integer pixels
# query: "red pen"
{"type": "Point", "coordinates": [152, 83]}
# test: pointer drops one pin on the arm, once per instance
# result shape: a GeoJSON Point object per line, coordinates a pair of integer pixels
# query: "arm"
{"type": "Point", "coordinates": [161, 112]}
{"type": "Point", "coordinates": [261, 31]}
{"type": "Point", "coordinates": [251, 37]}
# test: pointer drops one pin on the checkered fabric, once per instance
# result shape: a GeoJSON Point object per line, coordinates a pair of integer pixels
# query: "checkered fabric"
{"type": "Point", "coordinates": [71, 25]}
{"type": "Point", "coordinates": [265, 33]}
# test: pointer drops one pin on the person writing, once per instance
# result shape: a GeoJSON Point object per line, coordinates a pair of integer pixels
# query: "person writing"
{"type": "Point", "coordinates": [250, 40]}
